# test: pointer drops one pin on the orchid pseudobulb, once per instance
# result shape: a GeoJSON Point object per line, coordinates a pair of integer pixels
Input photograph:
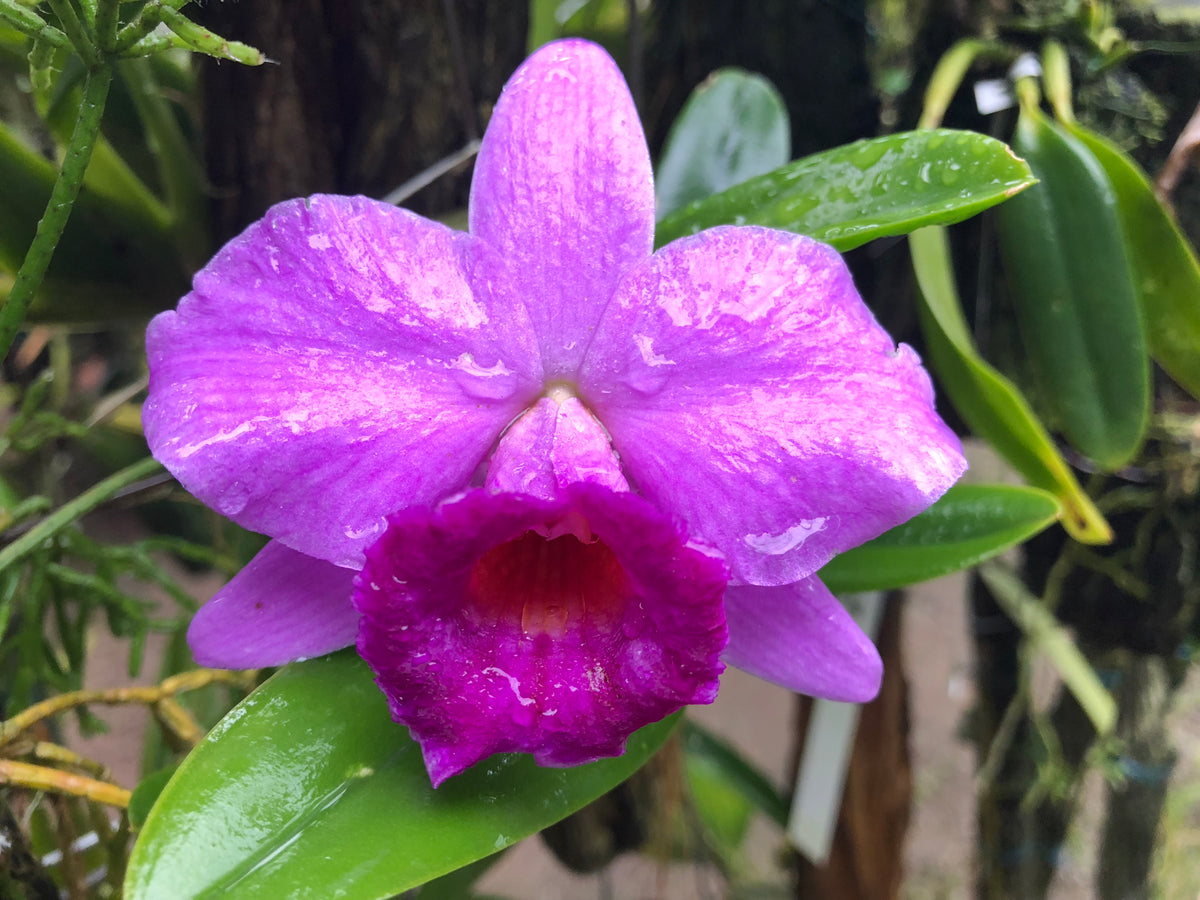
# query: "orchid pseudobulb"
{"type": "Point", "coordinates": [548, 480]}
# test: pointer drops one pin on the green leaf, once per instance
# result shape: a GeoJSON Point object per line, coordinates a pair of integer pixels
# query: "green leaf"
{"type": "Point", "coordinates": [1166, 272]}
{"type": "Point", "coordinates": [307, 789]}
{"type": "Point", "coordinates": [968, 525]}
{"type": "Point", "coordinates": [987, 401]}
{"type": "Point", "coordinates": [710, 757]}
{"type": "Point", "coordinates": [866, 190]}
{"type": "Point", "coordinates": [146, 794]}
{"type": "Point", "coordinates": [544, 26]}
{"type": "Point", "coordinates": [114, 259]}
{"type": "Point", "coordinates": [733, 127]}
{"type": "Point", "coordinates": [1073, 291]}
{"type": "Point", "coordinates": [457, 884]}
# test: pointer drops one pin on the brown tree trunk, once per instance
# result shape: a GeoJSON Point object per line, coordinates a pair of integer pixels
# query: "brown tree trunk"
{"type": "Point", "coordinates": [361, 96]}
{"type": "Point", "coordinates": [867, 858]}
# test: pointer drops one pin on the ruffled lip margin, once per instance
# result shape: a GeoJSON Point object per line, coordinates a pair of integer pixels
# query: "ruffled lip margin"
{"type": "Point", "coordinates": [475, 662]}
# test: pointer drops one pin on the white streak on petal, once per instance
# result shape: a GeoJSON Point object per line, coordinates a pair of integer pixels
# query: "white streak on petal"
{"type": "Point", "coordinates": [219, 438]}
{"type": "Point", "coordinates": [645, 345]}
{"type": "Point", "coordinates": [512, 683]}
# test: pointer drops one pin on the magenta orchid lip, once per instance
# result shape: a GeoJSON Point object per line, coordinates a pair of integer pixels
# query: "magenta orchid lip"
{"type": "Point", "coordinates": [549, 480]}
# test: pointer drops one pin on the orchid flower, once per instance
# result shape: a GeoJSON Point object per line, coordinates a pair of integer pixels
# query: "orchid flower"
{"type": "Point", "coordinates": [549, 480]}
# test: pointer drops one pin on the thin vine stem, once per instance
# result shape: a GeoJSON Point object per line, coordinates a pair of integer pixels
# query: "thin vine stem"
{"type": "Point", "coordinates": [77, 32]}
{"type": "Point", "coordinates": [58, 210]}
{"type": "Point", "coordinates": [146, 696]}
{"type": "Point", "coordinates": [93, 497]}
{"type": "Point", "coordinates": [27, 21]}
{"type": "Point", "coordinates": [42, 778]}
{"type": "Point", "coordinates": [106, 24]}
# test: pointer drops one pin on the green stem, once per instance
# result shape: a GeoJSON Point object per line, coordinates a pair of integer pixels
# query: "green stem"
{"type": "Point", "coordinates": [77, 32]}
{"type": "Point", "coordinates": [106, 24]}
{"type": "Point", "coordinates": [58, 210]}
{"type": "Point", "coordinates": [138, 31]}
{"type": "Point", "coordinates": [93, 497]}
{"type": "Point", "coordinates": [89, 11]}
{"type": "Point", "coordinates": [29, 22]}
{"type": "Point", "coordinates": [202, 40]}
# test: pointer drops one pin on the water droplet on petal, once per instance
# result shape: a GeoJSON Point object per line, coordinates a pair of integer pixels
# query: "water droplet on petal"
{"type": "Point", "coordinates": [233, 500]}
{"type": "Point", "coordinates": [646, 380]}
{"type": "Point", "coordinates": [789, 539]}
{"type": "Point", "coordinates": [494, 382]}
{"type": "Point", "coordinates": [368, 531]}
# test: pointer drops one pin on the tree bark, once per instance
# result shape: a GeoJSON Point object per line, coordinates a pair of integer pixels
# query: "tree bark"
{"type": "Point", "coordinates": [360, 97]}
{"type": "Point", "coordinates": [867, 858]}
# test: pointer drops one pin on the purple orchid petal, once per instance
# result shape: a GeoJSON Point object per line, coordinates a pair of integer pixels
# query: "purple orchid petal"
{"type": "Point", "coordinates": [564, 190]}
{"type": "Point", "coordinates": [488, 637]}
{"type": "Point", "coordinates": [339, 360]}
{"type": "Point", "coordinates": [284, 606]}
{"type": "Point", "coordinates": [799, 636]}
{"type": "Point", "coordinates": [749, 389]}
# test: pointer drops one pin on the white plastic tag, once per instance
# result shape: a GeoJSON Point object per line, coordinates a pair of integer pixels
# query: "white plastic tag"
{"type": "Point", "coordinates": [827, 748]}
{"type": "Point", "coordinates": [993, 95]}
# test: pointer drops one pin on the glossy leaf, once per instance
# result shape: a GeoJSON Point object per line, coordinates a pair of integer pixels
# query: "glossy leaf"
{"type": "Point", "coordinates": [1072, 287]}
{"type": "Point", "coordinates": [1166, 272]}
{"type": "Point", "coordinates": [987, 401]}
{"type": "Point", "coordinates": [968, 525]}
{"type": "Point", "coordinates": [733, 127]}
{"type": "Point", "coordinates": [869, 189]}
{"type": "Point", "coordinates": [307, 789]}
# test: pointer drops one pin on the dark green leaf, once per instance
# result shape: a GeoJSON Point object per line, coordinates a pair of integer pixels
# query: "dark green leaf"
{"type": "Point", "coordinates": [1073, 290]}
{"type": "Point", "coordinates": [115, 258]}
{"type": "Point", "coordinates": [866, 190]}
{"type": "Point", "coordinates": [723, 760]}
{"type": "Point", "coordinates": [968, 525]}
{"type": "Point", "coordinates": [733, 127]}
{"type": "Point", "coordinates": [309, 790]}
{"type": "Point", "coordinates": [146, 794]}
{"type": "Point", "coordinates": [1167, 275]}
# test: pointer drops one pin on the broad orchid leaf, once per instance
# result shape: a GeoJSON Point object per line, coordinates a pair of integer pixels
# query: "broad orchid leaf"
{"type": "Point", "coordinates": [866, 190]}
{"type": "Point", "coordinates": [989, 403]}
{"type": "Point", "coordinates": [1166, 272]}
{"type": "Point", "coordinates": [1072, 287]}
{"type": "Point", "coordinates": [968, 525]}
{"type": "Point", "coordinates": [733, 127]}
{"type": "Point", "coordinates": [308, 789]}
